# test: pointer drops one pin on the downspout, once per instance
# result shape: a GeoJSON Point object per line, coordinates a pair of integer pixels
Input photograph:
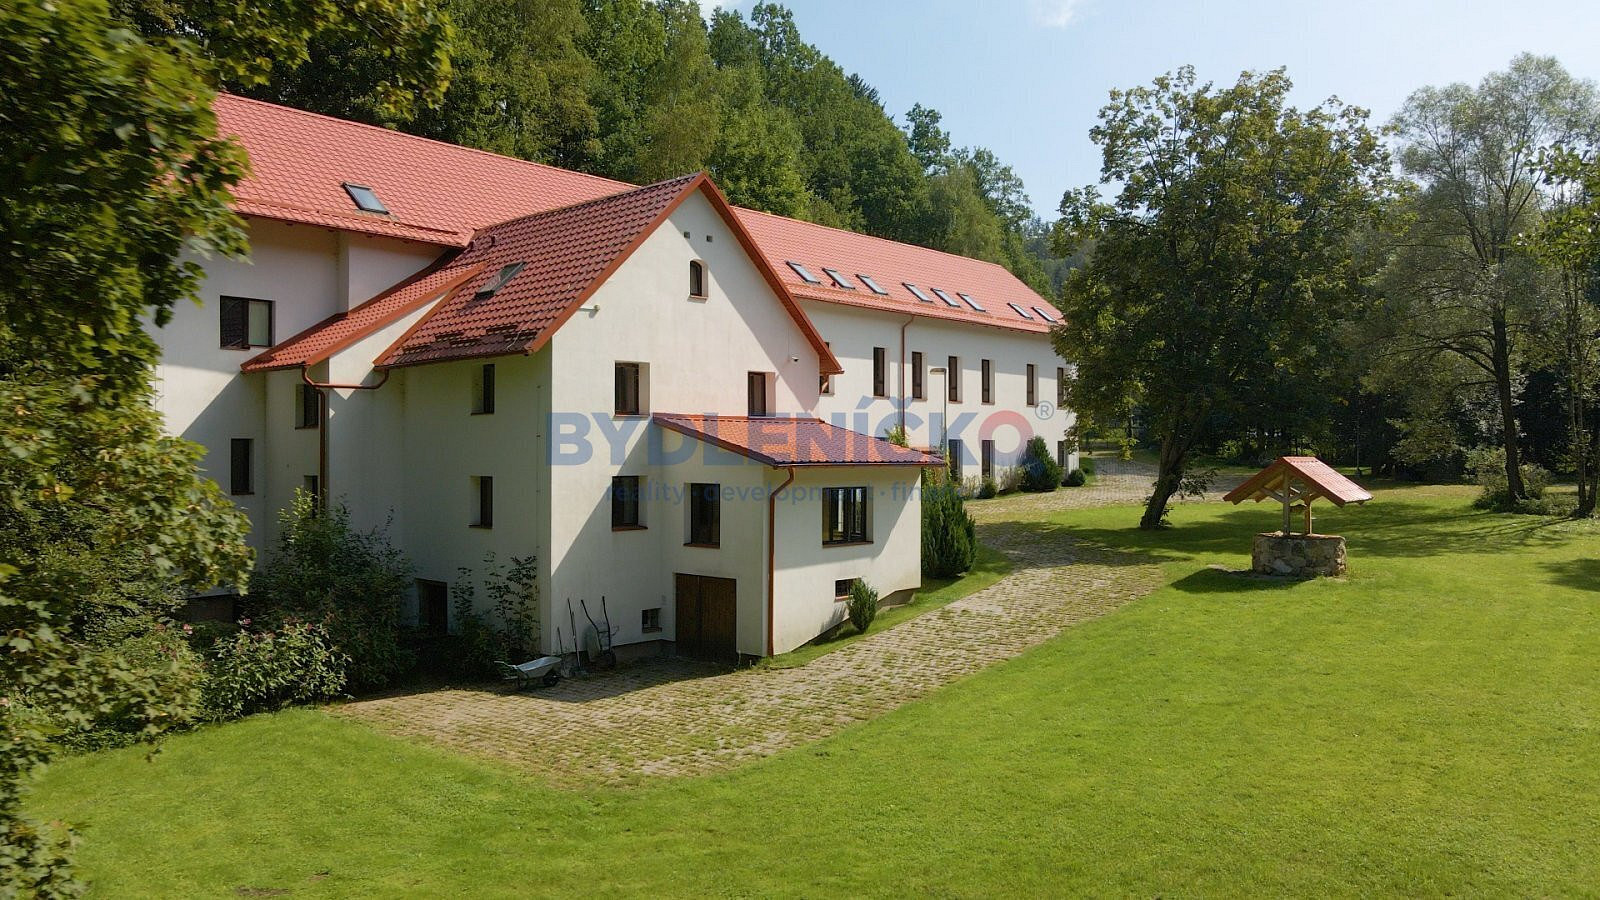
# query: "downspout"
{"type": "Point", "coordinates": [772, 551]}
{"type": "Point", "coordinates": [907, 324]}
{"type": "Point", "coordinates": [322, 389]}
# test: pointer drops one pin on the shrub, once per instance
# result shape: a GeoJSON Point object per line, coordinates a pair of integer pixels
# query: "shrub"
{"type": "Point", "coordinates": [863, 605]}
{"type": "Point", "coordinates": [354, 583]}
{"type": "Point", "coordinates": [949, 536]}
{"type": "Point", "coordinates": [509, 630]}
{"type": "Point", "coordinates": [897, 436]}
{"type": "Point", "coordinates": [1075, 478]}
{"type": "Point", "coordinates": [1087, 464]}
{"type": "Point", "coordinates": [1040, 472]}
{"type": "Point", "coordinates": [1488, 469]}
{"type": "Point", "coordinates": [988, 489]}
{"type": "Point", "coordinates": [259, 671]}
{"type": "Point", "coordinates": [162, 657]}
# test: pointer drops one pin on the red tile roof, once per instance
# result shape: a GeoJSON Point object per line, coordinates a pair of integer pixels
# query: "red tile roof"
{"type": "Point", "coordinates": [339, 331]}
{"type": "Point", "coordinates": [435, 192]}
{"type": "Point", "coordinates": [1317, 479]}
{"type": "Point", "coordinates": [890, 265]}
{"type": "Point", "coordinates": [565, 254]}
{"type": "Point", "coordinates": [442, 194]}
{"type": "Point", "coordinates": [781, 441]}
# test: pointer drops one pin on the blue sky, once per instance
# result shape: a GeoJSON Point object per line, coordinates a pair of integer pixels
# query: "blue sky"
{"type": "Point", "coordinates": [1026, 78]}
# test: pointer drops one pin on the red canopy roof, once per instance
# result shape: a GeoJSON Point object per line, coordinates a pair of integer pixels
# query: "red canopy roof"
{"type": "Point", "coordinates": [782, 441]}
{"type": "Point", "coordinates": [1316, 479]}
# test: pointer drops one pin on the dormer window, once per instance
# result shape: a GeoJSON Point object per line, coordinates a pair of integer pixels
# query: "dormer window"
{"type": "Point", "coordinates": [366, 199]}
{"type": "Point", "coordinates": [915, 292]}
{"type": "Point", "coordinates": [1044, 314]}
{"type": "Point", "coordinates": [1020, 311]}
{"type": "Point", "coordinates": [971, 302]}
{"type": "Point", "coordinates": [840, 279]}
{"type": "Point", "coordinates": [697, 279]}
{"type": "Point", "coordinates": [872, 285]}
{"type": "Point", "coordinates": [498, 281]}
{"type": "Point", "coordinates": [804, 273]}
{"type": "Point", "coordinates": [948, 300]}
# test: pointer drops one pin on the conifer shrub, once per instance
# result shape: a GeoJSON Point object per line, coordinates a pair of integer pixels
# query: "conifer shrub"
{"type": "Point", "coordinates": [949, 536]}
{"type": "Point", "coordinates": [862, 605]}
{"type": "Point", "coordinates": [1040, 472]}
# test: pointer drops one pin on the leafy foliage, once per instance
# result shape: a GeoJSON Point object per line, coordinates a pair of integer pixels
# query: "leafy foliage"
{"type": "Point", "coordinates": [949, 535]}
{"type": "Point", "coordinates": [862, 607]}
{"type": "Point", "coordinates": [1488, 470]}
{"type": "Point", "coordinates": [1039, 470]}
{"type": "Point", "coordinates": [509, 629]}
{"type": "Point", "coordinates": [259, 671]}
{"type": "Point", "coordinates": [352, 583]}
{"type": "Point", "coordinates": [1075, 478]}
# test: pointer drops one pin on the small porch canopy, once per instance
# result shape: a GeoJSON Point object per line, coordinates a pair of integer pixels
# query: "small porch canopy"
{"type": "Point", "coordinates": [1296, 481]}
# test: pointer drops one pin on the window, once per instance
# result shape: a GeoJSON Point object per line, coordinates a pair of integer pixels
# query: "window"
{"type": "Point", "coordinates": [844, 515]}
{"type": "Point", "coordinates": [916, 375]}
{"type": "Point", "coordinates": [952, 379]}
{"type": "Point", "coordinates": [650, 620]}
{"type": "Point", "coordinates": [804, 273]}
{"type": "Point", "coordinates": [628, 400]}
{"type": "Point", "coordinates": [240, 470]}
{"type": "Point", "coordinates": [1020, 311]}
{"type": "Point", "coordinates": [483, 390]}
{"type": "Point", "coordinates": [825, 382]}
{"type": "Point", "coordinates": [842, 588]}
{"type": "Point", "coordinates": [307, 406]}
{"type": "Point", "coordinates": [433, 606]}
{"type": "Point", "coordinates": [1033, 387]}
{"type": "Point", "coordinates": [988, 460]}
{"type": "Point", "coordinates": [872, 285]}
{"type": "Point", "coordinates": [366, 199]}
{"type": "Point", "coordinates": [705, 515]}
{"type": "Point", "coordinates": [948, 300]}
{"type": "Point", "coordinates": [915, 292]}
{"type": "Point", "coordinates": [1062, 455]}
{"type": "Point", "coordinates": [880, 372]}
{"type": "Point", "coordinates": [839, 278]}
{"type": "Point", "coordinates": [697, 278]}
{"type": "Point", "coordinates": [756, 388]}
{"type": "Point", "coordinates": [625, 503]}
{"type": "Point", "coordinates": [246, 323]}
{"type": "Point", "coordinates": [1044, 314]}
{"type": "Point", "coordinates": [312, 485]}
{"type": "Point", "coordinates": [483, 498]}
{"type": "Point", "coordinates": [987, 369]}
{"type": "Point", "coordinates": [953, 458]}
{"type": "Point", "coordinates": [971, 302]}
{"type": "Point", "coordinates": [1061, 385]}
{"type": "Point", "coordinates": [500, 280]}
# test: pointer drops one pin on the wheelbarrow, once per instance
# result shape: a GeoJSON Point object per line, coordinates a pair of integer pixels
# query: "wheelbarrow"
{"type": "Point", "coordinates": [545, 670]}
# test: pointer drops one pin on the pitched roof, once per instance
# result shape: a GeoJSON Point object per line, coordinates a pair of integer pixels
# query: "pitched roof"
{"type": "Point", "coordinates": [442, 194]}
{"type": "Point", "coordinates": [562, 257]}
{"type": "Point", "coordinates": [1317, 479]}
{"type": "Point", "coordinates": [890, 265]}
{"type": "Point", "coordinates": [783, 441]}
{"type": "Point", "coordinates": [435, 192]}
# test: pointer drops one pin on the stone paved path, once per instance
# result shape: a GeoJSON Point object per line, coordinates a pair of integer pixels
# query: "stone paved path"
{"type": "Point", "coordinates": [671, 717]}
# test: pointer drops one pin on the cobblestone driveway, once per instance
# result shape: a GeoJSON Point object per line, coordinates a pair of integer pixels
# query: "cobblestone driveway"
{"type": "Point", "coordinates": [671, 717]}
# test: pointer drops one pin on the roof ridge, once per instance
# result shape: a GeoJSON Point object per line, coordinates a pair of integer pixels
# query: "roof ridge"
{"type": "Point", "coordinates": [873, 237]}
{"type": "Point", "coordinates": [582, 203]}
{"type": "Point", "coordinates": [395, 132]}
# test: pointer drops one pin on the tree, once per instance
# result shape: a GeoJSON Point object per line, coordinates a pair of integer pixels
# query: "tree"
{"type": "Point", "coordinates": [1463, 293]}
{"type": "Point", "coordinates": [1222, 262]}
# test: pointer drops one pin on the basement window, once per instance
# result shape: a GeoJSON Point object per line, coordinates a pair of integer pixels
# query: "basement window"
{"type": "Point", "coordinates": [840, 279]}
{"type": "Point", "coordinates": [948, 300]}
{"type": "Point", "coordinates": [366, 199]}
{"type": "Point", "coordinates": [841, 589]}
{"type": "Point", "coordinates": [872, 285]}
{"type": "Point", "coordinates": [804, 273]}
{"type": "Point", "coordinates": [971, 302]}
{"type": "Point", "coordinates": [915, 292]}
{"type": "Point", "coordinates": [498, 281]}
{"type": "Point", "coordinates": [650, 620]}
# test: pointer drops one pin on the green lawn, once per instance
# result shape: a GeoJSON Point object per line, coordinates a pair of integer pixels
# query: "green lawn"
{"type": "Point", "coordinates": [1429, 726]}
{"type": "Point", "coordinates": [990, 566]}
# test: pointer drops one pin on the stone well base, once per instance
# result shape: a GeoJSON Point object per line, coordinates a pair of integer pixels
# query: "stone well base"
{"type": "Point", "coordinates": [1298, 555]}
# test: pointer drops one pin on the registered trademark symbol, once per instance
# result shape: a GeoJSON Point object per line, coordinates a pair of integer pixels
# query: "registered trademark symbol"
{"type": "Point", "coordinates": [1045, 410]}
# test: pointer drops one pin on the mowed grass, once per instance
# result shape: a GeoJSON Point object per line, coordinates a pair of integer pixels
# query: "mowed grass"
{"type": "Point", "coordinates": [1429, 726]}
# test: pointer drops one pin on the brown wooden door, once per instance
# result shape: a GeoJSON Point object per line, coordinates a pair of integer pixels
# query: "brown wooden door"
{"type": "Point", "coordinates": [706, 616]}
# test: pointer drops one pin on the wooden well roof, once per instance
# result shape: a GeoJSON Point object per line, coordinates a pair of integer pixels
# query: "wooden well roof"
{"type": "Point", "coordinates": [1315, 479]}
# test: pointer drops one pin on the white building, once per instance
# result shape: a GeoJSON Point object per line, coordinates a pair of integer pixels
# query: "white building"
{"type": "Point", "coordinates": [666, 400]}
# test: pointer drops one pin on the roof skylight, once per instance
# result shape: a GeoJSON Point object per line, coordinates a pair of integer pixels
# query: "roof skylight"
{"type": "Point", "coordinates": [840, 278]}
{"type": "Point", "coordinates": [971, 302]}
{"type": "Point", "coordinates": [803, 272]}
{"type": "Point", "coordinates": [872, 285]}
{"type": "Point", "coordinates": [915, 292]}
{"type": "Point", "coordinates": [1020, 311]}
{"type": "Point", "coordinates": [366, 199]}
{"type": "Point", "coordinates": [497, 282]}
{"type": "Point", "coordinates": [948, 300]}
{"type": "Point", "coordinates": [1044, 314]}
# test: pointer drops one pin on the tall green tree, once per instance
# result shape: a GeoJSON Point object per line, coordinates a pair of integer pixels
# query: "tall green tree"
{"type": "Point", "coordinates": [1467, 301]}
{"type": "Point", "coordinates": [1221, 263]}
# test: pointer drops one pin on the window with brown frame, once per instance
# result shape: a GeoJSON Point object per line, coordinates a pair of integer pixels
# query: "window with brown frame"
{"type": "Point", "coordinates": [627, 393]}
{"type": "Point", "coordinates": [705, 515]}
{"type": "Point", "coordinates": [988, 460]}
{"type": "Point", "coordinates": [825, 382]}
{"type": "Point", "coordinates": [625, 503]}
{"type": "Point", "coordinates": [1061, 385]}
{"type": "Point", "coordinates": [756, 391]}
{"type": "Point", "coordinates": [246, 323]}
{"type": "Point", "coordinates": [844, 513]}
{"type": "Point", "coordinates": [697, 279]}
{"type": "Point", "coordinates": [483, 390]}
{"type": "Point", "coordinates": [916, 375]}
{"type": "Point", "coordinates": [952, 379]}
{"type": "Point", "coordinates": [308, 405]}
{"type": "Point", "coordinates": [987, 367]}
{"type": "Point", "coordinates": [953, 460]}
{"type": "Point", "coordinates": [483, 491]}
{"type": "Point", "coordinates": [880, 372]}
{"type": "Point", "coordinates": [842, 588]}
{"type": "Point", "coordinates": [241, 467]}
{"type": "Point", "coordinates": [1033, 387]}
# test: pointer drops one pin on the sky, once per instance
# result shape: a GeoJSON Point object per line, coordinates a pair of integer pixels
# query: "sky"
{"type": "Point", "coordinates": [1027, 78]}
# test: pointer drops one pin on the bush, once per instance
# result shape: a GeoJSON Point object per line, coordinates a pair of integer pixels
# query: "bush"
{"type": "Point", "coordinates": [949, 536]}
{"type": "Point", "coordinates": [897, 435]}
{"type": "Point", "coordinates": [1488, 469]}
{"type": "Point", "coordinates": [509, 631]}
{"type": "Point", "coordinates": [1075, 478]}
{"type": "Point", "coordinates": [988, 489]}
{"type": "Point", "coordinates": [260, 671]}
{"type": "Point", "coordinates": [863, 605]}
{"type": "Point", "coordinates": [1040, 472]}
{"type": "Point", "coordinates": [162, 656]}
{"type": "Point", "coordinates": [353, 583]}
{"type": "Point", "coordinates": [1087, 464]}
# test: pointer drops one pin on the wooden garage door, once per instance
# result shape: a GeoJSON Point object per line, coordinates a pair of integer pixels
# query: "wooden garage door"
{"type": "Point", "coordinates": [706, 616]}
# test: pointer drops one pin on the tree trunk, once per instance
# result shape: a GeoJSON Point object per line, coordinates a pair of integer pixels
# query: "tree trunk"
{"type": "Point", "coordinates": [1509, 437]}
{"type": "Point", "coordinates": [1169, 475]}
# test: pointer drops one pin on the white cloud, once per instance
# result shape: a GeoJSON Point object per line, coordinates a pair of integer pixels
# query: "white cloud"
{"type": "Point", "coordinates": [707, 7]}
{"type": "Point", "coordinates": [1049, 13]}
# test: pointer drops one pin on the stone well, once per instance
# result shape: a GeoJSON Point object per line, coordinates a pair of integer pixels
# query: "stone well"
{"type": "Point", "coordinates": [1298, 555]}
